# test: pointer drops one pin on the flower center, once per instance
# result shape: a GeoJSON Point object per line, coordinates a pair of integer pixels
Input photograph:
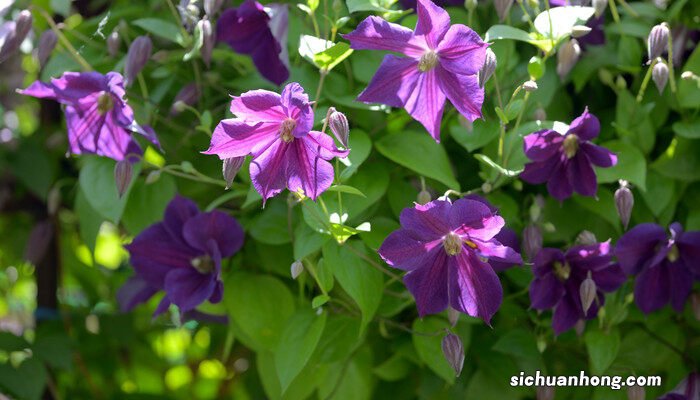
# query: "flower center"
{"type": "Point", "coordinates": [286, 130]}
{"type": "Point", "coordinates": [428, 61]}
{"type": "Point", "coordinates": [673, 254]}
{"type": "Point", "coordinates": [562, 271]}
{"type": "Point", "coordinates": [105, 103]}
{"type": "Point", "coordinates": [203, 264]}
{"type": "Point", "coordinates": [570, 145]}
{"type": "Point", "coordinates": [452, 244]}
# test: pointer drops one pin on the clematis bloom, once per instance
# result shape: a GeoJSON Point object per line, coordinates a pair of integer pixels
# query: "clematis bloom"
{"type": "Point", "coordinates": [664, 266]}
{"type": "Point", "coordinates": [98, 118]}
{"type": "Point", "coordinates": [446, 249]}
{"type": "Point", "coordinates": [182, 256]}
{"type": "Point", "coordinates": [276, 130]}
{"type": "Point", "coordinates": [565, 161]}
{"type": "Point", "coordinates": [442, 61]}
{"type": "Point", "coordinates": [558, 279]}
{"type": "Point", "coordinates": [687, 389]}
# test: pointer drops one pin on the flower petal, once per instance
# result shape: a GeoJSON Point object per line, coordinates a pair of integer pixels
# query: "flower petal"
{"type": "Point", "coordinates": [324, 145]}
{"type": "Point", "coordinates": [474, 286]}
{"type": "Point", "coordinates": [258, 106]}
{"type": "Point", "coordinates": [267, 169]}
{"type": "Point", "coordinates": [217, 226]}
{"type": "Point", "coordinates": [188, 288]}
{"type": "Point", "coordinates": [428, 285]}
{"type": "Point", "coordinates": [586, 127]}
{"type": "Point", "coordinates": [542, 145]}
{"type": "Point", "coordinates": [134, 292]}
{"type": "Point", "coordinates": [426, 102]}
{"type": "Point", "coordinates": [401, 250]}
{"type": "Point", "coordinates": [567, 312]}
{"type": "Point", "coordinates": [433, 22]}
{"type": "Point", "coordinates": [546, 292]}
{"type": "Point", "coordinates": [306, 171]}
{"type": "Point", "coordinates": [393, 83]}
{"type": "Point", "coordinates": [681, 284]}
{"type": "Point", "coordinates": [539, 171]}
{"type": "Point", "coordinates": [652, 288]}
{"type": "Point", "coordinates": [598, 155]}
{"type": "Point", "coordinates": [582, 175]}
{"type": "Point", "coordinates": [427, 222]}
{"type": "Point", "coordinates": [474, 219]}
{"type": "Point", "coordinates": [71, 87]}
{"type": "Point", "coordinates": [610, 278]}
{"type": "Point", "coordinates": [559, 185]}
{"type": "Point", "coordinates": [39, 90]}
{"type": "Point", "coordinates": [463, 91]}
{"type": "Point", "coordinates": [462, 51]}
{"type": "Point", "coordinates": [237, 138]}
{"type": "Point", "coordinates": [296, 104]}
{"type": "Point", "coordinates": [544, 260]}
{"type": "Point", "coordinates": [507, 237]}
{"type": "Point", "coordinates": [689, 248]}
{"type": "Point", "coordinates": [375, 33]}
{"type": "Point", "coordinates": [590, 257]}
{"type": "Point", "coordinates": [636, 247]}
{"type": "Point", "coordinates": [496, 253]}
{"type": "Point", "coordinates": [266, 58]}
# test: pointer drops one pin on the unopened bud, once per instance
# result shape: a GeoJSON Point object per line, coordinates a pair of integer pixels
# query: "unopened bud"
{"type": "Point", "coordinates": [534, 4]}
{"type": "Point", "coordinates": [424, 197]}
{"type": "Point", "coordinates": [660, 75]}
{"type": "Point", "coordinates": [567, 57]}
{"type": "Point", "coordinates": [486, 187]}
{"type": "Point", "coordinates": [657, 41]}
{"type": "Point", "coordinates": [579, 327]}
{"type": "Point", "coordinates": [296, 269]}
{"type": "Point", "coordinates": [540, 114]}
{"type": "Point", "coordinates": [636, 392]}
{"type": "Point", "coordinates": [14, 38]}
{"type": "Point", "coordinates": [230, 169]}
{"type": "Point", "coordinates": [136, 58]}
{"type": "Point", "coordinates": [113, 44]}
{"type": "Point", "coordinates": [624, 202]}
{"type": "Point", "coordinates": [599, 6]}
{"type": "Point", "coordinates": [122, 175]}
{"type": "Point", "coordinates": [502, 8]}
{"type": "Point", "coordinates": [530, 86]}
{"type": "Point", "coordinates": [452, 316]}
{"type": "Point", "coordinates": [586, 238]}
{"type": "Point", "coordinates": [580, 30]}
{"type": "Point", "coordinates": [470, 5]}
{"type": "Point", "coordinates": [453, 350]}
{"type": "Point", "coordinates": [338, 123]}
{"type": "Point", "coordinates": [53, 200]}
{"type": "Point", "coordinates": [211, 7]}
{"type": "Point", "coordinates": [545, 393]}
{"type": "Point", "coordinates": [532, 240]}
{"type": "Point", "coordinates": [488, 68]}
{"type": "Point", "coordinates": [687, 76]}
{"type": "Point", "coordinates": [187, 96]}
{"type": "Point", "coordinates": [587, 291]}
{"type": "Point", "coordinates": [620, 82]}
{"type": "Point", "coordinates": [695, 305]}
{"type": "Point", "coordinates": [47, 42]}
{"type": "Point", "coordinates": [189, 13]}
{"type": "Point", "coordinates": [208, 40]}
{"type": "Point", "coordinates": [153, 177]}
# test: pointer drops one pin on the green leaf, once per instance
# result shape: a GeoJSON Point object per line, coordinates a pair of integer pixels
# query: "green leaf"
{"type": "Point", "coordinates": [196, 44]}
{"type": "Point", "coordinates": [329, 58]}
{"type": "Point", "coordinates": [394, 368]}
{"type": "Point", "coordinates": [89, 220]}
{"type": "Point", "coordinates": [428, 343]}
{"type": "Point", "coordinates": [481, 134]}
{"type": "Point", "coordinates": [602, 349]}
{"type": "Point", "coordinates": [500, 32]}
{"type": "Point", "coordinates": [320, 300]}
{"type": "Point", "coordinates": [298, 342]}
{"type": "Point", "coordinates": [25, 382]}
{"type": "Point", "coordinates": [349, 381]}
{"type": "Point", "coordinates": [339, 339]}
{"type": "Point", "coordinates": [681, 160]}
{"type": "Point", "coordinates": [270, 226]}
{"type": "Point", "coordinates": [630, 166]}
{"type": "Point", "coordinates": [147, 203]}
{"type": "Point", "coordinates": [633, 123]}
{"type": "Point", "coordinates": [360, 147]}
{"type": "Point", "coordinates": [519, 343]}
{"type": "Point", "coordinates": [370, 5]}
{"type": "Point", "coordinates": [307, 241]}
{"type": "Point", "coordinates": [688, 130]}
{"type": "Point", "coordinates": [161, 28]}
{"type": "Point", "coordinates": [420, 153]}
{"type": "Point", "coordinates": [488, 161]}
{"type": "Point", "coordinates": [97, 183]}
{"type": "Point", "coordinates": [346, 189]}
{"type": "Point", "coordinates": [55, 349]}
{"type": "Point", "coordinates": [659, 193]}
{"type": "Point", "coordinates": [10, 342]}
{"type": "Point", "coordinates": [689, 90]}
{"type": "Point", "coordinates": [561, 20]}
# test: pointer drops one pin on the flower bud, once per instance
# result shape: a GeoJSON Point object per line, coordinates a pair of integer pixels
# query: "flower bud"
{"type": "Point", "coordinates": [599, 6]}
{"type": "Point", "coordinates": [687, 75]}
{"type": "Point", "coordinates": [47, 42]}
{"type": "Point", "coordinates": [657, 41]}
{"type": "Point", "coordinates": [53, 200]}
{"type": "Point", "coordinates": [695, 305]}
{"type": "Point", "coordinates": [187, 96]}
{"type": "Point", "coordinates": [540, 114]}
{"type": "Point", "coordinates": [660, 75]}
{"type": "Point", "coordinates": [453, 350]}
{"type": "Point", "coordinates": [567, 57]}
{"type": "Point", "coordinates": [580, 30]}
{"type": "Point", "coordinates": [534, 4]}
{"type": "Point", "coordinates": [296, 269]}
{"type": "Point", "coordinates": [230, 169]}
{"type": "Point", "coordinates": [636, 392]}
{"type": "Point", "coordinates": [545, 393]}
{"type": "Point", "coordinates": [16, 35]}
{"type": "Point", "coordinates": [471, 5]}
{"type": "Point", "coordinates": [586, 238]}
{"type": "Point", "coordinates": [153, 176]}
{"type": "Point", "coordinates": [136, 58]}
{"type": "Point", "coordinates": [502, 8]}
{"type": "Point", "coordinates": [624, 202]}
{"type": "Point", "coordinates": [122, 175]}
{"type": "Point", "coordinates": [113, 44]}
{"type": "Point", "coordinates": [587, 291]}
{"type": "Point", "coordinates": [208, 40]}
{"type": "Point", "coordinates": [488, 68]}
{"type": "Point", "coordinates": [424, 197]}
{"type": "Point", "coordinates": [338, 123]}
{"type": "Point", "coordinates": [530, 86]}
{"type": "Point", "coordinates": [580, 327]}
{"type": "Point", "coordinates": [532, 240]}
{"type": "Point", "coordinates": [189, 13]}
{"type": "Point", "coordinates": [211, 7]}
{"type": "Point", "coordinates": [452, 316]}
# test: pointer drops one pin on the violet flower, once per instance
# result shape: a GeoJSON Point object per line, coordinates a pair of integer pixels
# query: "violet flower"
{"type": "Point", "coordinates": [664, 265]}
{"type": "Point", "coordinates": [250, 29]}
{"type": "Point", "coordinates": [687, 389]}
{"type": "Point", "coordinates": [276, 130]}
{"type": "Point", "coordinates": [182, 256]}
{"type": "Point", "coordinates": [446, 249]}
{"type": "Point", "coordinates": [558, 278]}
{"type": "Point", "coordinates": [566, 161]}
{"type": "Point", "coordinates": [98, 118]}
{"type": "Point", "coordinates": [596, 36]}
{"type": "Point", "coordinates": [442, 62]}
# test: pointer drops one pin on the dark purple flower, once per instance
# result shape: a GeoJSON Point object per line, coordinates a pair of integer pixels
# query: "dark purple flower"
{"type": "Point", "coordinates": [442, 62]}
{"type": "Point", "coordinates": [98, 118]}
{"type": "Point", "coordinates": [558, 279]}
{"type": "Point", "coordinates": [687, 389]}
{"type": "Point", "coordinates": [566, 161]}
{"type": "Point", "coordinates": [407, 4]}
{"type": "Point", "coordinates": [182, 256]}
{"type": "Point", "coordinates": [664, 265]}
{"type": "Point", "coordinates": [276, 130]}
{"type": "Point", "coordinates": [596, 36]}
{"type": "Point", "coordinates": [446, 249]}
{"type": "Point", "coordinates": [248, 30]}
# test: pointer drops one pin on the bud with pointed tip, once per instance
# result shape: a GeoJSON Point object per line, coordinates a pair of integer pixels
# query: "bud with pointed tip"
{"type": "Point", "coordinates": [13, 39]}
{"type": "Point", "coordinates": [587, 291]}
{"type": "Point", "coordinates": [687, 75]}
{"type": "Point", "coordinates": [230, 169]}
{"type": "Point", "coordinates": [540, 114]}
{"type": "Point", "coordinates": [580, 327]}
{"type": "Point", "coordinates": [502, 8]}
{"type": "Point", "coordinates": [338, 123]}
{"type": "Point", "coordinates": [471, 5]}
{"type": "Point", "coordinates": [47, 42]}
{"type": "Point", "coordinates": [453, 350]}
{"type": "Point", "coordinates": [530, 86]}
{"type": "Point", "coordinates": [113, 44]}
{"type": "Point", "coordinates": [657, 40]}
{"type": "Point", "coordinates": [695, 305]}
{"type": "Point", "coordinates": [187, 96]}
{"type": "Point", "coordinates": [53, 200]}
{"type": "Point", "coordinates": [636, 392]}
{"type": "Point", "coordinates": [208, 40]}
{"type": "Point", "coordinates": [452, 316]}
{"type": "Point", "coordinates": [624, 202]}
{"type": "Point", "coordinates": [567, 57]}
{"type": "Point", "coordinates": [532, 240]}
{"type": "Point", "coordinates": [123, 171]}
{"type": "Point", "coordinates": [586, 238]}
{"type": "Point", "coordinates": [296, 269]}
{"type": "Point", "coordinates": [599, 6]}
{"type": "Point", "coordinates": [660, 75]}
{"type": "Point", "coordinates": [211, 7]}
{"type": "Point", "coordinates": [580, 30]}
{"type": "Point", "coordinates": [424, 197]}
{"type": "Point", "coordinates": [545, 393]}
{"type": "Point", "coordinates": [136, 58]}
{"type": "Point", "coordinates": [488, 68]}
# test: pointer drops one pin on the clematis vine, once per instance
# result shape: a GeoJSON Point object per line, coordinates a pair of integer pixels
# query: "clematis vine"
{"type": "Point", "coordinates": [446, 249]}
{"type": "Point", "coordinates": [276, 130]}
{"type": "Point", "coordinates": [687, 389]}
{"type": "Point", "coordinates": [98, 118]}
{"type": "Point", "coordinates": [559, 280]}
{"type": "Point", "coordinates": [664, 266]}
{"type": "Point", "coordinates": [565, 161]}
{"type": "Point", "coordinates": [260, 32]}
{"type": "Point", "coordinates": [182, 257]}
{"type": "Point", "coordinates": [442, 61]}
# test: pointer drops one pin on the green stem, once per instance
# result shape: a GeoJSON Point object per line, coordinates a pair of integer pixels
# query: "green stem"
{"type": "Point", "coordinates": [613, 10]}
{"type": "Point", "coordinates": [672, 79]}
{"type": "Point", "coordinates": [645, 82]}
{"type": "Point", "coordinates": [320, 86]}
{"type": "Point", "coordinates": [312, 270]}
{"type": "Point", "coordinates": [73, 52]}
{"type": "Point", "coordinates": [628, 8]}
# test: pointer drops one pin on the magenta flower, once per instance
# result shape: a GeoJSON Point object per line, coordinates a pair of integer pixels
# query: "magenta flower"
{"type": "Point", "coordinates": [558, 278]}
{"type": "Point", "coordinates": [566, 161]}
{"type": "Point", "coordinates": [664, 266]}
{"type": "Point", "coordinates": [98, 118]}
{"type": "Point", "coordinates": [260, 33]}
{"type": "Point", "coordinates": [446, 249]}
{"type": "Point", "coordinates": [182, 256]}
{"type": "Point", "coordinates": [442, 62]}
{"type": "Point", "coordinates": [276, 130]}
{"type": "Point", "coordinates": [687, 389]}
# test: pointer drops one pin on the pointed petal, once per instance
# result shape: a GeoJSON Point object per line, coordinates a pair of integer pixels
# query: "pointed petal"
{"type": "Point", "coordinates": [598, 155]}
{"type": "Point", "coordinates": [324, 146]}
{"type": "Point", "coordinates": [586, 127]}
{"type": "Point", "coordinates": [544, 260]}
{"type": "Point", "coordinates": [462, 51]}
{"type": "Point", "coordinates": [236, 138]}
{"type": "Point", "coordinates": [610, 278]}
{"type": "Point", "coordinates": [636, 247]}
{"type": "Point", "coordinates": [134, 292]}
{"type": "Point", "coordinates": [375, 33]}
{"type": "Point", "coordinates": [546, 292]}
{"type": "Point", "coordinates": [651, 290]}
{"type": "Point", "coordinates": [433, 22]}
{"type": "Point", "coordinates": [463, 91]}
{"type": "Point", "coordinates": [496, 253]}
{"type": "Point", "coordinates": [590, 257]}
{"type": "Point", "coordinates": [689, 248]}
{"type": "Point", "coordinates": [427, 222]}
{"type": "Point", "coordinates": [74, 86]}
{"type": "Point", "coordinates": [401, 250]}
{"type": "Point", "coordinates": [266, 58]}
{"type": "Point", "coordinates": [258, 106]}
{"type": "Point", "coordinates": [163, 306]}
{"type": "Point", "coordinates": [177, 213]}
{"type": "Point", "coordinates": [39, 90]}
{"type": "Point", "coordinates": [582, 175]}
{"type": "Point", "coordinates": [296, 103]}
{"type": "Point", "coordinates": [559, 185]}
{"type": "Point", "coordinates": [474, 286]}
{"type": "Point", "coordinates": [542, 145]}
{"type": "Point", "coordinates": [475, 219]}
{"type": "Point", "coordinates": [539, 171]}
{"type": "Point", "coordinates": [306, 171]}
{"type": "Point", "coordinates": [507, 237]}
{"type": "Point", "coordinates": [566, 314]}
{"type": "Point", "coordinates": [681, 284]}
{"type": "Point", "coordinates": [187, 288]}
{"type": "Point", "coordinates": [393, 83]}
{"type": "Point", "coordinates": [267, 169]}
{"type": "Point", "coordinates": [214, 225]}
{"type": "Point", "coordinates": [428, 285]}
{"type": "Point", "coordinates": [426, 102]}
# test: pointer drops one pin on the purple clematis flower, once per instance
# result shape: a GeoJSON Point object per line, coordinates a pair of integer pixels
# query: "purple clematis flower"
{"type": "Point", "coordinates": [664, 266]}
{"type": "Point", "coordinates": [260, 33]}
{"type": "Point", "coordinates": [596, 36]}
{"type": "Point", "coordinates": [276, 130]}
{"type": "Point", "coordinates": [558, 278]}
{"type": "Point", "coordinates": [98, 118]}
{"type": "Point", "coordinates": [442, 62]}
{"type": "Point", "coordinates": [687, 389]}
{"type": "Point", "coordinates": [182, 256]}
{"type": "Point", "coordinates": [446, 249]}
{"type": "Point", "coordinates": [566, 161]}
